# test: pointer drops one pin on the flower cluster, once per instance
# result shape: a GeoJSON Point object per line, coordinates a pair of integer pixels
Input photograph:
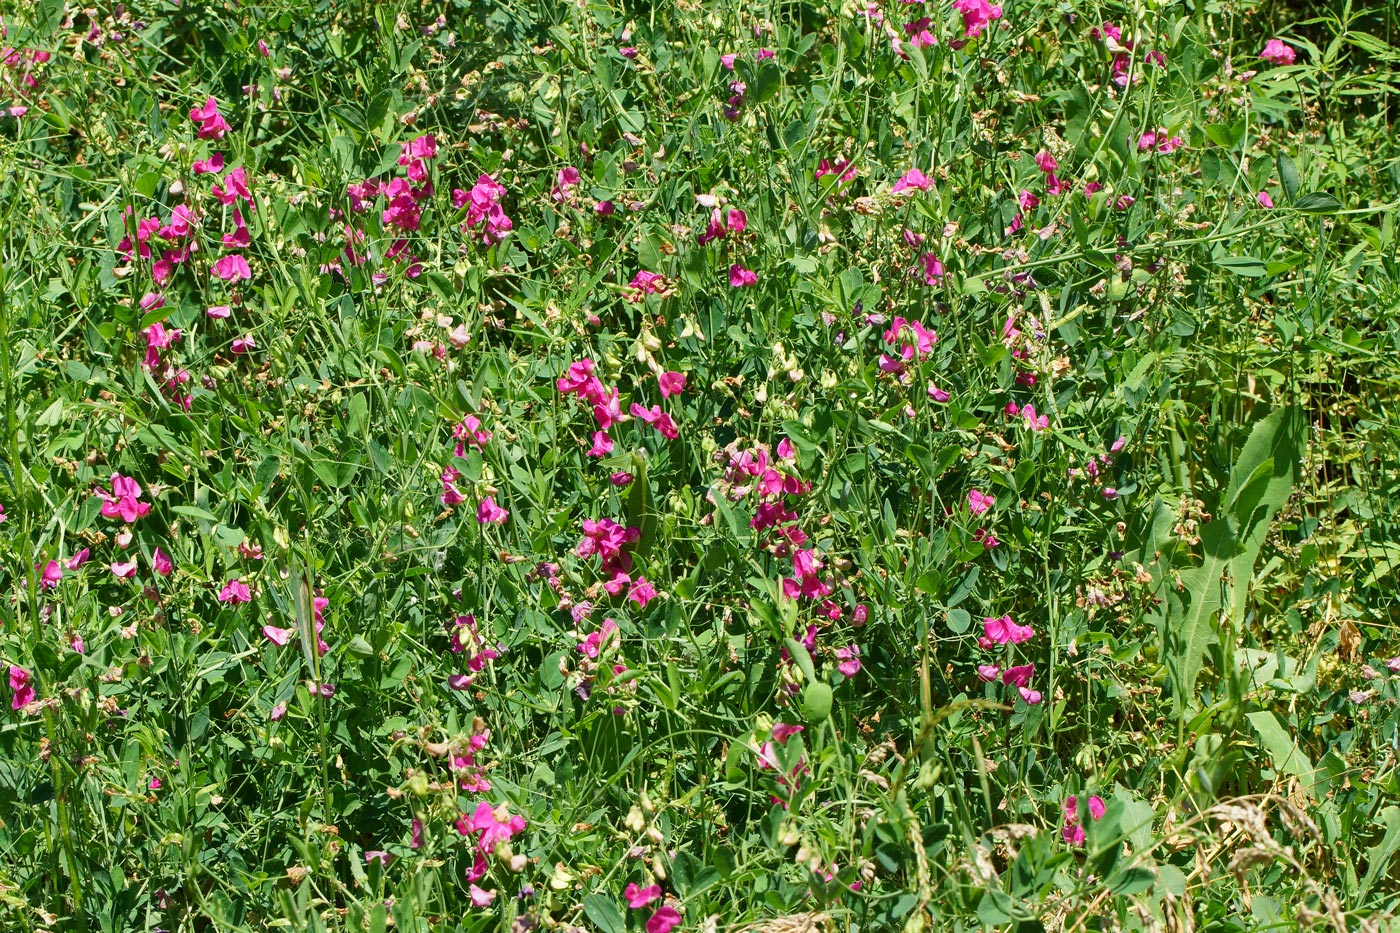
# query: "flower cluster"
{"type": "Point", "coordinates": [1002, 630]}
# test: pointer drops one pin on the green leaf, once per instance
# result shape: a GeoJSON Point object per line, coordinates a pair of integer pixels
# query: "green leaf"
{"type": "Point", "coordinates": [800, 657]}
{"type": "Point", "coordinates": [1286, 756]}
{"type": "Point", "coordinates": [603, 912]}
{"type": "Point", "coordinates": [1379, 855]}
{"type": "Point", "coordinates": [1317, 202]}
{"type": "Point", "coordinates": [1247, 266]}
{"type": "Point", "coordinates": [816, 701]}
{"type": "Point", "coordinates": [1288, 175]}
{"type": "Point", "coordinates": [1231, 544]}
{"type": "Point", "coordinates": [1131, 880]}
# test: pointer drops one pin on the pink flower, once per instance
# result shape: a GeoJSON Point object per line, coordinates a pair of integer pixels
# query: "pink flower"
{"type": "Point", "coordinates": [850, 660]}
{"type": "Point", "coordinates": [638, 898]}
{"type": "Point", "coordinates": [469, 433]}
{"type": "Point", "coordinates": [595, 642]}
{"type": "Point", "coordinates": [210, 124]}
{"type": "Point", "coordinates": [933, 269]}
{"type": "Point", "coordinates": [123, 502]}
{"type": "Point", "coordinates": [491, 513]}
{"type": "Point", "coordinates": [1002, 631]}
{"type": "Point", "coordinates": [988, 672]}
{"type": "Point", "coordinates": [912, 180]}
{"type": "Point", "coordinates": [602, 444]}
{"type": "Point", "coordinates": [218, 312]}
{"type": "Point", "coordinates": [1278, 52]}
{"type": "Point", "coordinates": [232, 268]}
{"type": "Point", "coordinates": [918, 34]}
{"type": "Point", "coordinates": [78, 559]}
{"type": "Point", "coordinates": [641, 592]}
{"type": "Point", "coordinates": [235, 591]}
{"type": "Point", "coordinates": [52, 574]}
{"type": "Point", "coordinates": [21, 686]}
{"type": "Point", "coordinates": [451, 495]}
{"type": "Point", "coordinates": [977, 14]}
{"type": "Point", "coordinates": [739, 277]}
{"type": "Point", "coordinates": [161, 563]}
{"type": "Point", "coordinates": [494, 826]}
{"type": "Point", "coordinates": [937, 394]}
{"type": "Point", "coordinates": [646, 283]}
{"type": "Point", "coordinates": [233, 188]}
{"type": "Point", "coordinates": [278, 636]}
{"type": "Point", "coordinates": [242, 345]}
{"type": "Point", "coordinates": [1264, 199]}
{"type": "Point", "coordinates": [979, 502]}
{"type": "Point", "coordinates": [657, 418]}
{"type": "Point", "coordinates": [210, 166]}
{"type": "Point", "coordinates": [1096, 807]}
{"type": "Point", "coordinates": [1034, 422]}
{"type": "Point", "coordinates": [481, 898]}
{"type": "Point", "coordinates": [1018, 676]}
{"type": "Point", "coordinates": [663, 920]}
{"type": "Point", "coordinates": [621, 478]}
{"type": "Point", "coordinates": [1073, 834]}
{"type": "Point", "coordinates": [123, 570]}
{"type": "Point", "coordinates": [671, 383]}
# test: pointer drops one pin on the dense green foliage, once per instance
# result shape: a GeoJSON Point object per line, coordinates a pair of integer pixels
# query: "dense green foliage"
{"type": "Point", "coordinates": [1028, 415]}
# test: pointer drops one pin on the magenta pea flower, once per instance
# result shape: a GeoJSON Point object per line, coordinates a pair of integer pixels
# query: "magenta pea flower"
{"type": "Point", "coordinates": [21, 686]}
{"type": "Point", "coordinates": [78, 559]}
{"type": "Point", "coordinates": [232, 268]}
{"type": "Point", "coordinates": [641, 592]}
{"type": "Point", "coordinates": [1264, 199]}
{"type": "Point", "coordinates": [657, 418]}
{"type": "Point", "coordinates": [210, 124]}
{"type": "Point", "coordinates": [638, 897]}
{"type": "Point", "coordinates": [602, 444]}
{"type": "Point", "coordinates": [481, 898]}
{"type": "Point", "coordinates": [124, 500]}
{"type": "Point", "coordinates": [210, 166]}
{"type": "Point", "coordinates": [1019, 676]}
{"type": "Point", "coordinates": [663, 920]}
{"type": "Point", "coordinates": [1073, 830]}
{"type": "Point", "coordinates": [278, 636]}
{"type": "Point", "coordinates": [52, 574]}
{"type": "Point", "coordinates": [849, 658]}
{"type": "Point", "coordinates": [161, 563]}
{"type": "Point", "coordinates": [977, 14]}
{"type": "Point", "coordinates": [979, 502]}
{"type": "Point", "coordinates": [469, 434]}
{"type": "Point", "coordinates": [123, 570]}
{"type": "Point", "coordinates": [739, 277]}
{"type": "Point", "coordinates": [671, 383]}
{"type": "Point", "coordinates": [489, 513]}
{"type": "Point", "coordinates": [235, 591]}
{"type": "Point", "coordinates": [1278, 52]}
{"type": "Point", "coordinates": [451, 495]}
{"type": "Point", "coordinates": [233, 188]}
{"type": "Point", "coordinates": [912, 180]}
{"type": "Point", "coordinates": [1003, 631]}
